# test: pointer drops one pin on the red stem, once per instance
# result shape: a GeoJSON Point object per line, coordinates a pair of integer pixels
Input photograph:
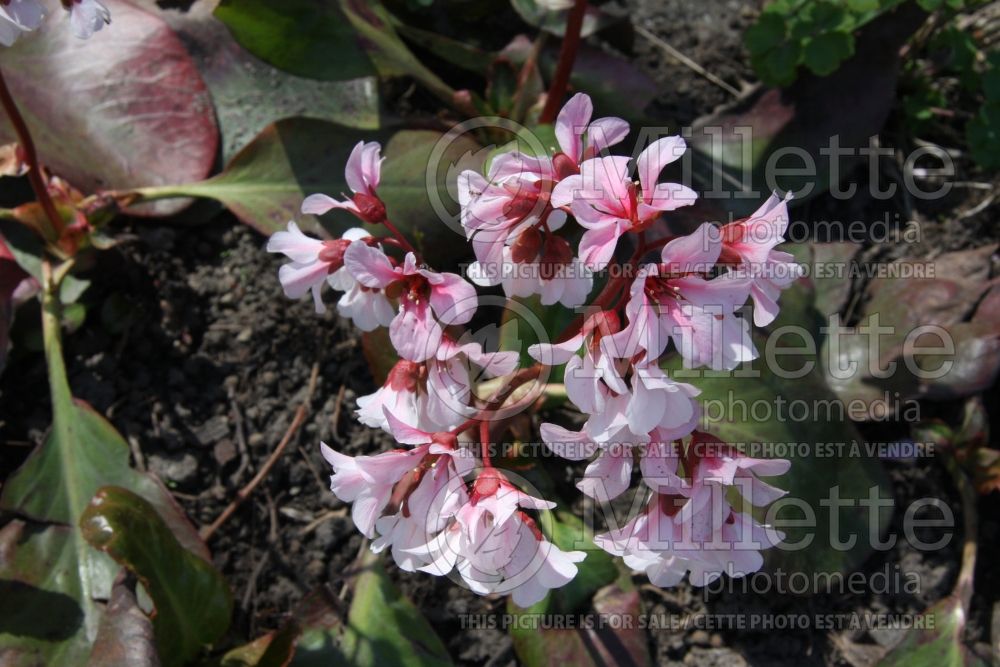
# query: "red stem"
{"type": "Point", "coordinates": [484, 439]}
{"type": "Point", "coordinates": [495, 401]}
{"type": "Point", "coordinates": [31, 157]}
{"type": "Point", "coordinates": [399, 237]}
{"type": "Point", "coordinates": [567, 56]}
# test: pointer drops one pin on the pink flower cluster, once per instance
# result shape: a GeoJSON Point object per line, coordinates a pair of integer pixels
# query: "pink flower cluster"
{"type": "Point", "coordinates": [438, 508]}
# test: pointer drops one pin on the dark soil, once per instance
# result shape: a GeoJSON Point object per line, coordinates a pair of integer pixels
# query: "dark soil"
{"type": "Point", "coordinates": [205, 377]}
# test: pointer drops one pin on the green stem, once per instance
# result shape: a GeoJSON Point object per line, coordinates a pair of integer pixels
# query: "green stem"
{"type": "Point", "coordinates": [64, 426]}
{"type": "Point", "coordinates": [970, 528]}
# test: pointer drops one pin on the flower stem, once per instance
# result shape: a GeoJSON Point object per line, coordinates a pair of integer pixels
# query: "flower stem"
{"type": "Point", "coordinates": [403, 243]}
{"type": "Point", "coordinates": [484, 439]}
{"type": "Point", "coordinates": [31, 157]}
{"type": "Point", "coordinates": [567, 56]}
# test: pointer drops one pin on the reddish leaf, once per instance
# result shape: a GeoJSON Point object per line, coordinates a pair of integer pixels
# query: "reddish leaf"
{"type": "Point", "coordinates": [122, 110]}
{"type": "Point", "coordinates": [948, 298]}
{"type": "Point", "coordinates": [125, 635]}
{"type": "Point", "coordinates": [250, 94]}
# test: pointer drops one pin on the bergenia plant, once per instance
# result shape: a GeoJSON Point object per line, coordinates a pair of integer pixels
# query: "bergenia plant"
{"type": "Point", "coordinates": [439, 503]}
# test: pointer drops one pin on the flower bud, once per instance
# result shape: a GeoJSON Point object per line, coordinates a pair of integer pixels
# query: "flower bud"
{"type": "Point", "coordinates": [564, 166]}
{"type": "Point", "coordinates": [370, 208]}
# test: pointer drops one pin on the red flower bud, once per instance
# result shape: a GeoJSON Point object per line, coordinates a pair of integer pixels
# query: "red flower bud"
{"type": "Point", "coordinates": [370, 208]}
{"type": "Point", "coordinates": [564, 166]}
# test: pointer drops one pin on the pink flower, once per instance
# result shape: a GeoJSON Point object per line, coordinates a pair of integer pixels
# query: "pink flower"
{"type": "Point", "coordinates": [315, 262]}
{"type": "Point", "coordinates": [605, 201]}
{"type": "Point", "coordinates": [658, 403]}
{"type": "Point", "coordinates": [383, 485]}
{"type": "Point", "coordinates": [617, 387]}
{"type": "Point", "coordinates": [403, 395]}
{"type": "Point", "coordinates": [362, 173]}
{"type": "Point", "coordinates": [610, 474]}
{"type": "Point", "coordinates": [450, 378]}
{"type": "Point", "coordinates": [427, 300]}
{"type": "Point", "coordinates": [581, 139]}
{"type": "Point", "coordinates": [497, 548]}
{"type": "Point", "coordinates": [537, 265]}
{"type": "Point", "coordinates": [594, 377]}
{"type": "Point", "coordinates": [712, 461]}
{"type": "Point", "coordinates": [689, 525]}
{"type": "Point", "coordinates": [703, 538]}
{"type": "Point", "coordinates": [19, 16]}
{"type": "Point", "coordinates": [511, 198]}
{"type": "Point", "coordinates": [672, 301]}
{"type": "Point", "coordinates": [87, 17]}
{"type": "Point", "coordinates": [748, 246]}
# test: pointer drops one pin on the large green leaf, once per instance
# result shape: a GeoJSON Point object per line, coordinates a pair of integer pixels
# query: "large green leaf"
{"type": "Point", "coordinates": [304, 37]}
{"type": "Point", "coordinates": [131, 104]}
{"type": "Point", "coordinates": [43, 556]}
{"type": "Point", "coordinates": [265, 183]}
{"type": "Point", "coordinates": [192, 600]}
{"type": "Point", "coordinates": [385, 628]}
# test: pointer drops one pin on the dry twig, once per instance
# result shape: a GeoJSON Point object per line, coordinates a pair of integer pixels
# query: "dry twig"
{"type": "Point", "coordinates": [241, 495]}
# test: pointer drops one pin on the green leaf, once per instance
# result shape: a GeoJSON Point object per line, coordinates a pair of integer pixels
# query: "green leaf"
{"type": "Point", "coordinates": [862, 6]}
{"type": "Point", "coordinates": [303, 37]}
{"type": "Point", "coordinates": [265, 183]}
{"type": "Point", "coordinates": [780, 63]}
{"type": "Point", "coordinates": [598, 569]}
{"type": "Point", "coordinates": [940, 644]}
{"type": "Point", "coordinates": [767, 33]}
{"type": "Point", "coordinates": [526, 322]}
{"type": "Point", "coordinates": [455, 52]}
{"type": "Point", "coordinates": [385, 628]}
{"type": "Point", "coordinates": [275, 649]}
{"type": "Point", "coordinates": [192, 600]}
{"type": "Point", "coordinates": [991, 84]}
{"type": "Point", "coordinates": [823, 54]}
{"type": "Point", "coordinates": [43, 554]}
{"type": "Point", "coordinates": [388, 52]}
{"type": "Point", "coordinates": [821, 16]}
